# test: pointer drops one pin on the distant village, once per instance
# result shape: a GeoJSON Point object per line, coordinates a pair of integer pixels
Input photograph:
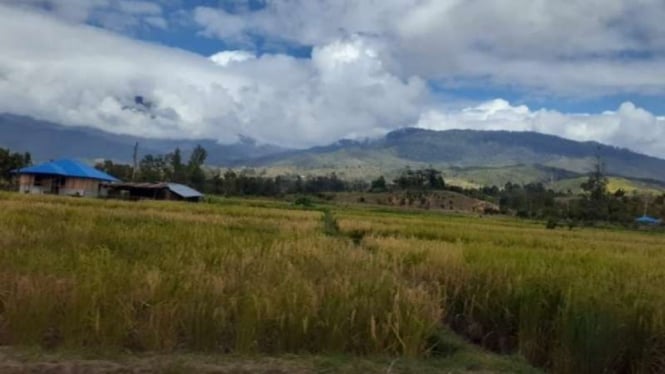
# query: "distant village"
{"type": "Point", "coordinates": [168, 178]}
{"type": "Point", "coordinates": [74, 178]}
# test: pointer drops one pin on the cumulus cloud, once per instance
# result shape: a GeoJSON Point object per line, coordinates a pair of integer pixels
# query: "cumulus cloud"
{"type": "Point", "coordinates": [353, 86]}
{"type": "Point", "coordinates": [581, 47]}
{"type": "Point", "coordinates": [629, 126]}
{"type": "Point", "coordinates": [88, 76]}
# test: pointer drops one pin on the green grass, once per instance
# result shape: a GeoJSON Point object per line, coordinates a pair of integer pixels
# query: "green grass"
{"type": "Point", "coordinates": [615, 184]}
{"type": "Point", "coordinates": [460, 357]}
{"type": "Point", "coordinates": [261, 277]}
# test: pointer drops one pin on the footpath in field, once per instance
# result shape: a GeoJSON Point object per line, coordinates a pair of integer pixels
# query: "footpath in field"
{"type": "Point", "coordinates": [465, 359]}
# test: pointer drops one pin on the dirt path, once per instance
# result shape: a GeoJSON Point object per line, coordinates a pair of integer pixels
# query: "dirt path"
{"type": "Point", "coordinates": [12, 362]}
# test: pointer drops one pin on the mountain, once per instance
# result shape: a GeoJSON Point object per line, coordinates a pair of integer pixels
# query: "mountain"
{"type": "Point", "coordinates": [467, 157]}
{"type": "Point", "coordinates": [462, 151]}
{"type": "Point", "coordinates": [46, 140]}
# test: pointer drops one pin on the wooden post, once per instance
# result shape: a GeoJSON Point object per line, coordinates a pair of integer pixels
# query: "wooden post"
{"type": "Point", "coordinates": [135, 157]}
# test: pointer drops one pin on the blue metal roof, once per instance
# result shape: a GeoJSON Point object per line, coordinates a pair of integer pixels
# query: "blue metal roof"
{"type": "Point", "coordinates": [648, 220]}
{"type": "Point", "coordinates": [184, 191]}
{"type": "Point", "coordinates": [68, 168]}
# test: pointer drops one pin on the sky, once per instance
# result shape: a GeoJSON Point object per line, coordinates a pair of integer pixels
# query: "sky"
{"type": "Point", "coordinates": [300, 73]}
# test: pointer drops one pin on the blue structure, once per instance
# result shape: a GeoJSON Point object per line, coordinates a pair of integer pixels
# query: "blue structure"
{"type": "Point", "coordinates": [64, 177]}
{"type": "Point", "coordinates": [68, 168]}
{"type": "Point", "coordinates": [646, 220]}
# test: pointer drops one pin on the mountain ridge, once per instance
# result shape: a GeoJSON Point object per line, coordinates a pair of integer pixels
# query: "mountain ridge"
{"type": "Point", "coordinates": [48, 140]}
{"type": "Point", "coordinates": [406, 147]}
{"type": "Point", "coordinates": [471, 148]}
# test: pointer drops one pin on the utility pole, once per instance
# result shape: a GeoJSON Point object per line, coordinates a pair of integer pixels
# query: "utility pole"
{"type": "Point", "coordinates": [135, 158]}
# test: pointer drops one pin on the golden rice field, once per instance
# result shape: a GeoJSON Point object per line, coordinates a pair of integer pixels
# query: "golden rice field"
{"type": "Point", "coordinates": [262, 277]}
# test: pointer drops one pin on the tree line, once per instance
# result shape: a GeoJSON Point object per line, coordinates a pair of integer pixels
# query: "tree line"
{"type": "Point", "coordinates": [158, 168]}
{"type": "Point", "coordinates": [532, 200]}
{"type": "Point", "coordinates": [9, 162]}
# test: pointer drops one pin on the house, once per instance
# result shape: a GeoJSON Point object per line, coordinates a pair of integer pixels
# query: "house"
{"type": "Point", "coordinates": [153, 191]}
{"type": "Point", "coordinates": [64, 177]}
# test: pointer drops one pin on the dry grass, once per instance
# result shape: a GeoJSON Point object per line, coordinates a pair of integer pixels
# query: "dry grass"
{"type": "Point", "coordinates": [260, 277]}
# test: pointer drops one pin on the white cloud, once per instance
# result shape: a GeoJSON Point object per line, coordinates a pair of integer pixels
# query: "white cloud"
{"type": "Point", "coordinates": [354, 85]}
{"type": "Point", "coordinates": [575, 48]}
{"type": "Point", "coordinates": [225, 58]}
{"type": "Point", "coordinates": [629, 126]}
{"type": "Point", "coordinates": [88, 76]}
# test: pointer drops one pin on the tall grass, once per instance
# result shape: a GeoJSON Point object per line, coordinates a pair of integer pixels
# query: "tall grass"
{"type": "Point", "coordinates": [160, 277]}
{"type": "Point", "coordinates": [258, 277]}
{"type": "Point", "coordinates": [588, 302]}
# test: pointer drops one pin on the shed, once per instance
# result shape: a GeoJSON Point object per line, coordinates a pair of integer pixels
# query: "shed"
{"type": "Point", "coordinates": [64, 177]}
{"type": "Point", "coordinates": [155, 191]}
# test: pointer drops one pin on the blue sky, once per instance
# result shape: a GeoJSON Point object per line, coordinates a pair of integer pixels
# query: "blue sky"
{"type": "Point", "coordinates": [308, 72]}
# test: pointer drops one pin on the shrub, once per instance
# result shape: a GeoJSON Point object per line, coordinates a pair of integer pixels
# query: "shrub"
{"type": "Point", "coordinates": [571, 223]}
{"type": "Point", "coordinates": [552, 224]}
{"type": "Point", "coordinates": [303, 201]}
{"type": "Point", "coordinates": [357, 236]}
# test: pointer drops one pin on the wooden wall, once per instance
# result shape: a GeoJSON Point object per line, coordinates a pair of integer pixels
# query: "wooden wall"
{"type": "Point", "coordinates": [26, 180]}
{"type": "Point", "coordinates": [71, 186]}
{"type": "Point", "coordinates": [81, 184]}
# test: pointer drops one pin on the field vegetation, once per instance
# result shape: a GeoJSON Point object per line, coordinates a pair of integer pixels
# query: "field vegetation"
{"type": "Point", "coordinates": [268, 277]}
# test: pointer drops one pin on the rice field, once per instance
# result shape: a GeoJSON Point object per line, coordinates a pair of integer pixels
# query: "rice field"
{"type": "Point", "coordinates": [268, 278]}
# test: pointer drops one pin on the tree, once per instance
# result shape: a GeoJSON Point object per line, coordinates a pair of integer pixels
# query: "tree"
{"type": "Point", "coordinates": [10, 161]}
{"type": "Point", "coordinates": [176, 167]}
{"type": "Point", "coordinates": [422, 179]}
{"type": "Point", "coordinates": [596, 195]}
{"type": "Point", "coordinates": [120, 171]}
{"type": "Point", "coordinates": [152, 168]}
{"type": "Point", "coordinates": [195, 167]}
{"type": "Point", "coordinates": [378, 185]}
{"type": "Point", "coordinates": [596, 184]}
{"type": "Point", "coordinates": [216, 184]}
{"type": "Point", "coordinates": [135, 160]}
{"type": "Point", "coordinates": [434, 179]}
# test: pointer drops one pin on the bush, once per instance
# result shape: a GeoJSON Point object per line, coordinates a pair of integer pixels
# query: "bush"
{"type": "Point", "coordinates": [491, 211]}
{"type": "Point", "coordinates": [357, 236]}
{"type": "Point", "coordinates": [571, 224]}
{"type": "Point", "coordinates": [552, 224]}
{"type": "Point", "coordinates": [303, 201]}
